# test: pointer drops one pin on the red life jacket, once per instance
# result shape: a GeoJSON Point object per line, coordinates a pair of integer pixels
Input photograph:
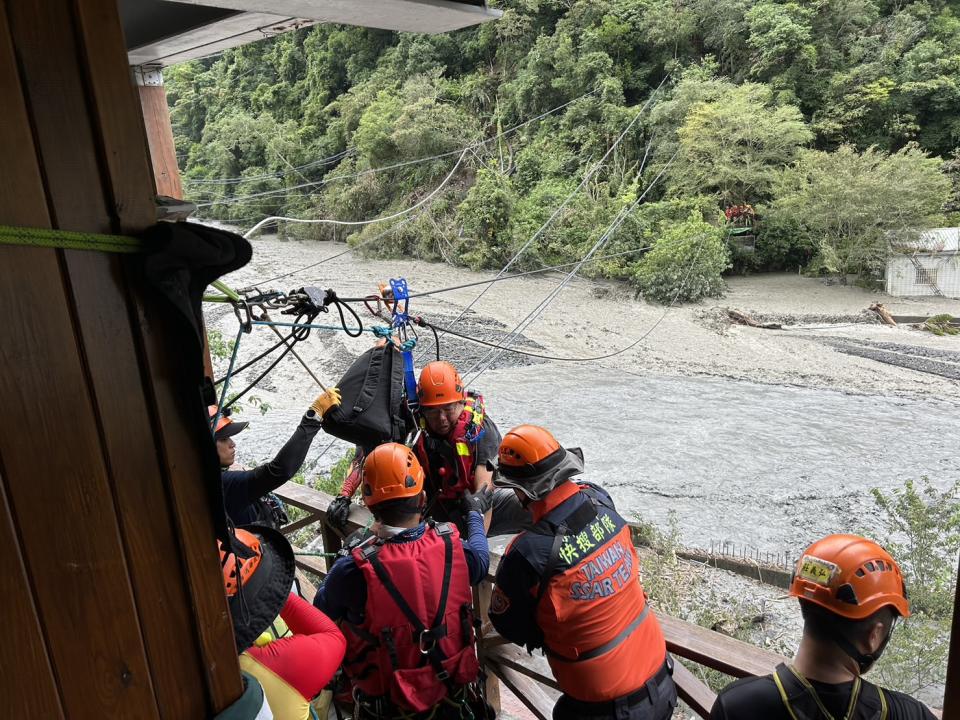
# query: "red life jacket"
{"type": "Point", "coordinates": [416, 643]}
{"type": "Point", "coordinates": [450, 462]}
{"type": "Point", "coordinates": [601, 639]}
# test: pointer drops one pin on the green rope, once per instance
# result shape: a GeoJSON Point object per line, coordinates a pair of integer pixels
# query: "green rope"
{"type": "Point", "coordinates": [68, 240]}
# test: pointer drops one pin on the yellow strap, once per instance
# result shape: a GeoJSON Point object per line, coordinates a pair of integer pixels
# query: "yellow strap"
{"type": "Point", "coordinates": [68, 240]}
{"type": "Point", "coordinates": [883, 703]}
{"type": "Point", "coordinates": [783, 695]}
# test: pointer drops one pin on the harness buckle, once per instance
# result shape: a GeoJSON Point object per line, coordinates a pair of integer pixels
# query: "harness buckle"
{"type": "Point", "coordinates": [427, 642]}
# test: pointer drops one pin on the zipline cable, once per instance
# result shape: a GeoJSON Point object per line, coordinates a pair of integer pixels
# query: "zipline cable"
{"type": "Point", "coordinates": [404, 163]}
{"type": "Point", "coordinates": [601, 242]}
{"type": "Point", "coordinates": [568, 198]}
{"type": "Point", "coordinates": [354, 223]}
{"type": "Point", "coordinates": [592, 358]}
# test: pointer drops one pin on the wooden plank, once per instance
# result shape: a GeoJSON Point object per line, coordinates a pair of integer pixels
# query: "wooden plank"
{"type": "Point", "coordinates": [54, 88]}
{"type": "Point", "coordinates": [21, 202]}
{"type": "Point", "coordinates": [531, 666]}
{"type": "Point", "coordinates": [98, 291]}
{"type": "Point", "coordinates": [300, 524]}
{"type": "Point", "coordinates": [51, 453]}
{"type": "Point", "coordinates": [692, 691]}
{"type": "Point", "coordinates": [526, 690]}
{"type": "Point", "coordinates": [307, 589]}
{"type": "Point", "coordinates": [120, 133]}
{"type": "Point", "coordinates": [715, 650]}
{"type": "Point", "coordinates": [29, 682]}
{"type": "Point", "coordinates": [74, 558]}
{"type": "Point", "coordinates": [163, 153]}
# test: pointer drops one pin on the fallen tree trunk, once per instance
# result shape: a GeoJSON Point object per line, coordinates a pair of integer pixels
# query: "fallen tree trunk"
{"type": "Point", "coordinates": [884, 314]}
{"type": "Point", "coordinates": [744, 319]}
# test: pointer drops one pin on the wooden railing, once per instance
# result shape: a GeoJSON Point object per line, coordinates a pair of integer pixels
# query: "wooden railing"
{"type": "Point", "coordinates": [528, 676]}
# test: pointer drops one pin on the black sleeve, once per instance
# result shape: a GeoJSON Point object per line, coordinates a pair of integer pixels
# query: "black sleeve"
{"type": "Point", "coordinates": [489, 443]}
{"type": "Point", "coordinates": [267, 478]}
{"type": "Point", "coordinates": [904, 707]}
{"type": "Point", "coordinates": [513, 605]}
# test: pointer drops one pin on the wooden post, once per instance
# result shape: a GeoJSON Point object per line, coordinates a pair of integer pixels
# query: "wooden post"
{"type": "Point", "coordinates": [951, 697]}
{"type": "Point", "coordinates": [156, 119]}
{"type": "Point", "coordinates": [481, 601]}
{"type": "Point", "coordinates": [107, 533]}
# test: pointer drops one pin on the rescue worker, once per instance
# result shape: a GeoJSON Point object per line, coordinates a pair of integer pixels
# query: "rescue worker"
{"type": "Point", "coordinates": [258, 571]}
{"type": "Point", "coordinates": [405, 599]}
{"type": "Point", "coordinates": [246, 493]}
{"type": "Point", "coordinates": [851, 595]}
{"type": "Point", "coordinates": [571, 586]}
{"type": "Point", "coordinates": [457, 447]}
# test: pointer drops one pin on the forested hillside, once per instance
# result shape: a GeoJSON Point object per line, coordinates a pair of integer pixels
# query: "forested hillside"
{"type": "Point", "coordinates": [645, 128]}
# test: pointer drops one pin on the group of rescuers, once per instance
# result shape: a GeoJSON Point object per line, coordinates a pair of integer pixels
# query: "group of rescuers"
{"type": "Point", "coordinates": [396, 611]}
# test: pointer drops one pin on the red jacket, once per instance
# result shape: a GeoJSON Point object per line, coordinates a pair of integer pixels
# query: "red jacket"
{"type": "Point", "coordinates": [294, 669]}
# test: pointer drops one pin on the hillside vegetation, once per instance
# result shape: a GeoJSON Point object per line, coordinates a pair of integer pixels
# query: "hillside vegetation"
{"type": "Point", "coordinates": [830, 127]}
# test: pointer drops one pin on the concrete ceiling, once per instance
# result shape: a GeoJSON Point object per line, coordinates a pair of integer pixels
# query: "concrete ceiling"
{"type": "Point", "coordinates": [164, 33]}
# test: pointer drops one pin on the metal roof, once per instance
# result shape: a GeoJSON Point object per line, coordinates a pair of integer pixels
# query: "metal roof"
{"type": "Point", "coordinates": [935, 241]}
{"type": "Point", "coordinates": [164, 33]}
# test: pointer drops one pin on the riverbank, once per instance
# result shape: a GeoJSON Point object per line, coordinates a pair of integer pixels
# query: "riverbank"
{"type": "Point", "coordinates": [823, 322]}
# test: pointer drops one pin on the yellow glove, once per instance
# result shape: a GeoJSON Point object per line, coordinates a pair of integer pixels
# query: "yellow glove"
{"type": "Point", "coordinates": [325, 401]}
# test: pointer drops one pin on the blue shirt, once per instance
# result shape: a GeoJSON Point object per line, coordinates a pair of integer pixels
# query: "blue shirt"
{"type": "Point", "coordinates": [343, 594]}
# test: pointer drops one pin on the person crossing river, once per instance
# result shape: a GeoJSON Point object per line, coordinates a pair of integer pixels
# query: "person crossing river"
{"type": "Point", "coordinates": [457, 446]}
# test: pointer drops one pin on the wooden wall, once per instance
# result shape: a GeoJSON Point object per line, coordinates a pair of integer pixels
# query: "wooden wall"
{"type": "Point", "coordinates": [115, 607]}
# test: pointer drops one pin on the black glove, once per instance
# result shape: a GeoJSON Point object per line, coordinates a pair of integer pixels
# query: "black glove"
{"type": "Point", "coordinates": [480, 501]}
{"type": "Point", "coordinates": [338, 512]}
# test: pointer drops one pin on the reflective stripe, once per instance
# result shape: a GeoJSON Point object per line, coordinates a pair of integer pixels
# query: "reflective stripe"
{"type": "Point", "coordinates": [463, 449]}
{"type": "Point", "coordinates": [607, 646]}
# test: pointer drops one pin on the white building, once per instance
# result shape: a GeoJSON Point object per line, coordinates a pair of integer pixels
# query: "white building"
{"type": "Point", "coordinates": [929, 265]}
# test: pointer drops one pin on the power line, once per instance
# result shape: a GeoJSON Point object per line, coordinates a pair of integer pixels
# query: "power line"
{"type": "Point", "coordinates": [405, 163]}
{"type": "Point", "coordinates": [267, 176]}
{"type": "Point", "coordinates": [567, 199]}
{"type": "Point", "coordinates": [603, 240]}
{"type": "Point", "coordinates": [354, 223]}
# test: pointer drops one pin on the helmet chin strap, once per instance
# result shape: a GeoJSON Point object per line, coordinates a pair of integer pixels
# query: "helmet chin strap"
{"type": "Point", "coordinates": [864, 661]}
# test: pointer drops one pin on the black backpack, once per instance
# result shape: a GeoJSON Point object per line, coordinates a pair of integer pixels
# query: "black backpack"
{"type": "Point", "coordinates": [373, 408]}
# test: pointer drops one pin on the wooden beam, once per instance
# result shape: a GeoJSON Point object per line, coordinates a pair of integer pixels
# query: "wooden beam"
{"type": "Point", "coordinates": [163, 151]}
{"type": "Point", "coordinates": [692, 691]}
{"type": "Point", "coordinates": [519, 660]}
{"type": "Point", "coordinates": [715, 650]}
{"type": "Point", "coordinates": [527, 691]}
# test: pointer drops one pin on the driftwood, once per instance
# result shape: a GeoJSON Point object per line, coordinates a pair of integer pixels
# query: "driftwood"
{"type": "Point", "coordinates": [884, 314]}
{"type": "Point", "coordinates": [744, 319]}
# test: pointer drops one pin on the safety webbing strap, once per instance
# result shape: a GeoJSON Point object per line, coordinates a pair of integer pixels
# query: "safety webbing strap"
{"type": "Point", "coordinates": [68, 240]}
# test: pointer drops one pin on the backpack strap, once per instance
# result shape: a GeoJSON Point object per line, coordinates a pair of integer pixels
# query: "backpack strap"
{"type": "Point", "coordinates": [867, 701]}
{"type": "Point", "coordinates": [573, 523]}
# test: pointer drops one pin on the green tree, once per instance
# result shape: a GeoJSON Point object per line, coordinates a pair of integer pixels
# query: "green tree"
{"type": "Point", "coordinates": [734, 146]}
{"type": "Point", "coordinates": [849, 206]}
{"type": "Point", "coordinates": [686, 262]}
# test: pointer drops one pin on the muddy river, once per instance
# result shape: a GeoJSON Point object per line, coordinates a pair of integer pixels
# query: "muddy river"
{"type": "Point", "coordinates": [766, 466]}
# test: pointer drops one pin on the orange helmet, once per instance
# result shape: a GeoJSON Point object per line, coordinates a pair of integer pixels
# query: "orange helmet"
{"type": "Point", "coordinates": [851, 577]}
{"type": "Point", "coordinates": [237, 573]}
{"type": "Point", "coordinates": [440, 384]}
{"type": "Point", "coordinates": [531, 460]}
{"type": "Point", "coordinates": [225, 426]}
{"type": "Point", "coordinates": [391, 472]}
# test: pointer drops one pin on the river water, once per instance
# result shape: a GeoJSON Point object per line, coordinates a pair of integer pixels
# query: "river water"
{"type": "Point", "coordinates": [768, 467]}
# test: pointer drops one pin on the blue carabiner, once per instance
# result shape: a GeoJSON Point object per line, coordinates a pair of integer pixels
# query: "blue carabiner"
{"type": "Point", "coordinates": [401, 294]}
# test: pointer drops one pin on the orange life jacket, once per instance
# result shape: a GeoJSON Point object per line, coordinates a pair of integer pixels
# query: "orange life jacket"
{"type": "Point", "coordinates": [602, 640]}
{"type": "Point", "coordinates": [416, 642]}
